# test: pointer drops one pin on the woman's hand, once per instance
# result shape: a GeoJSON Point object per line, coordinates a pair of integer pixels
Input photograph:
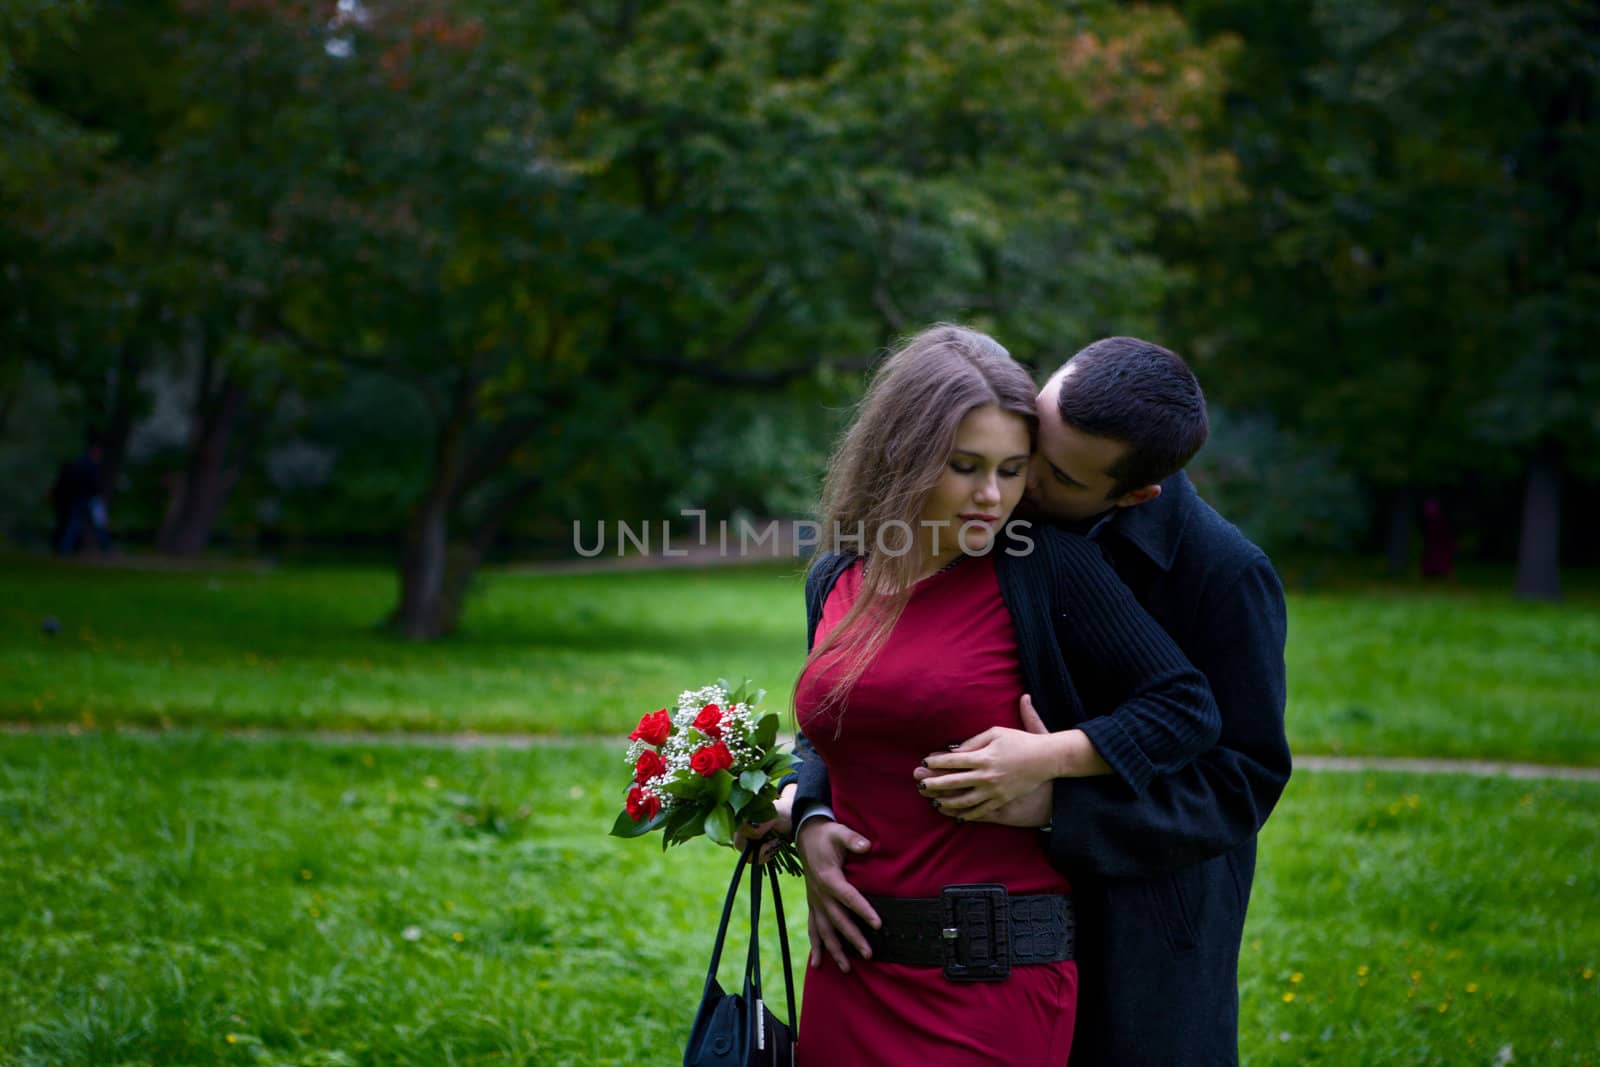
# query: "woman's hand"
{"type": "Point", "coordinates": [773, 831]}
{"type": "Point", "coordinates": [1001, 765]}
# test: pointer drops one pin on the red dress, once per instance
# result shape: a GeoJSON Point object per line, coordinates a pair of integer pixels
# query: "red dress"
{"type": "Point", "coordinates": [948, 671]}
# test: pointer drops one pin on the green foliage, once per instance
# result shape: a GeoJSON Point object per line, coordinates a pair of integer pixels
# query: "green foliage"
{"type": "Point", "coordinates": [1283, 492]}
{"type": "Point", "coordinates": [571, 232]}
{"type": "Point", "coordinates": [1411, 278]}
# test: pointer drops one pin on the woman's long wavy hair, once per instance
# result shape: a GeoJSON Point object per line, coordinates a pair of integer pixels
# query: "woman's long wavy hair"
{"type": "Point", "coordinates": [887, 463]}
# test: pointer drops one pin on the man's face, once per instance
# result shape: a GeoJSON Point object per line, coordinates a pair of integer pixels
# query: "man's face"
{"type": "Point", "coordinates": [1067, 479]}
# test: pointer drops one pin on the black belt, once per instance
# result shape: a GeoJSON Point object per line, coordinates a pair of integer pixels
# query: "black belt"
{"type": "Point", "coordinates": [976, 933]}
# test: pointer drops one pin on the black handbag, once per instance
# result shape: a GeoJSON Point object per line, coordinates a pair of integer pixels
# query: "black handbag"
{"type": "Point", "coordinates": [736, 1029]}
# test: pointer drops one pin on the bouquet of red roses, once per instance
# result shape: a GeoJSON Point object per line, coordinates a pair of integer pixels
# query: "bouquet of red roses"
{"type": "Point", "coordinates": [707, 767]}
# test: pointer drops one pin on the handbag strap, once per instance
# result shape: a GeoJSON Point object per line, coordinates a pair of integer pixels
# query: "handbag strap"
{"type": "Point", "coordinates": [783, 943]}
{"type": "Point", "coordinates": [752, 969]}
{"type": "Point", "coordinates": [722, 927]}
{"type": "Point", "coordinates": [752, 961]}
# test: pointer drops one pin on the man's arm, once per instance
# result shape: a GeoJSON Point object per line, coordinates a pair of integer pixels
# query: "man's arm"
{"type": "Point", "coordinates": [1163, 711]}
{"type": "Point", "coordinates": [811, 781]}
{"type": "Point", "coordinates": [1221, 799]}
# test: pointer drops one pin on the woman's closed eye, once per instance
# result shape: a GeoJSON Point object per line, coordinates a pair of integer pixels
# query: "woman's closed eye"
{"type": "Point", "coordinates": [970, 468]}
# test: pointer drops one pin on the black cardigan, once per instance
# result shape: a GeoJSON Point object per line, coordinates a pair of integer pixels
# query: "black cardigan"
{"type": "Point", "coordinates": [1083, 640]}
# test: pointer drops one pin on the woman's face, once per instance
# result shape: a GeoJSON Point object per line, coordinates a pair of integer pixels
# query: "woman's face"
{"type": "Point", "coordinates": [982, 481]}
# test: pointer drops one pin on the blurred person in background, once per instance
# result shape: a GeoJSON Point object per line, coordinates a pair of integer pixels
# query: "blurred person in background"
{"type": "Point", "coordinates": [78, 498]}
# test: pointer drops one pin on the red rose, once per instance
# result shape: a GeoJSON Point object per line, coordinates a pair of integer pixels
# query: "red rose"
{"type": "Point", "coordinates": [642, 804]}
{"type": "Point", "coordinates": [709, 721]}
{"type": "Point", "coordinates": [650, 764]}
{"type": "Point", "coordinates": [653, 728]}
{"type": "Point", "coordinates": [709, 759]}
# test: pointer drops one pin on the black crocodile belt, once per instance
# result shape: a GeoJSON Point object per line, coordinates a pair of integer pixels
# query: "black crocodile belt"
{"type": "Point", "coordinates": [975, 933]}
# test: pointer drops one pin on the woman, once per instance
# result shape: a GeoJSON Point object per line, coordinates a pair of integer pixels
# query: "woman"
{"type": "Point", "coordinates": [929, 634]}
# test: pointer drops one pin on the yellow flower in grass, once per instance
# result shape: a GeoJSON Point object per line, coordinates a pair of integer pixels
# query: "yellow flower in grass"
{"type": "Point", "coordinates": [232, 1040]}
{"type": "Point", "coordinates": [1363, 970]}
{"type": "Point", "coordinates": [1444, 1007]}
{"type": "Point", "coordinates": [1588, 973]}
{"type": "Point", "coordinates": [458, 937]}
{"type": "Point", "coordinates": [1472, 987]}
{"type": "Point", "coordinates": [1296, 978]}
{"type": "Point", "coordinates": [1288, 998]}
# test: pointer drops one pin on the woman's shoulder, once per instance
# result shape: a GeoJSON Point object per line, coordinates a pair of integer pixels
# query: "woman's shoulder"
{"type": "Point", "coordinates": [829, 563]}
{"type": "Point", "coordinates": [824, 571]}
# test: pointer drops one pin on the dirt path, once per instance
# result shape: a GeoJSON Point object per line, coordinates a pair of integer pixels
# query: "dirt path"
{"type": "Point", "coordinates": [520, 742]}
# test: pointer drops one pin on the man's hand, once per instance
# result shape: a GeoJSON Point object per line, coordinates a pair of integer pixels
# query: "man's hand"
{"type": "Point", "coordinates": [824, 846]}
{"type": "Point", "coordinates": [1001, 766]}
{"type": "Point", "coordinates": [773, 831]}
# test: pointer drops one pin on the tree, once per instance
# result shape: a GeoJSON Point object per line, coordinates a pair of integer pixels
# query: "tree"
{"type": "Point", "coordinates": [1406, 280]}
{"type": "Point", "coordinates": [567, 228]}
{"type": "Point", "coordinates": [639, 206]}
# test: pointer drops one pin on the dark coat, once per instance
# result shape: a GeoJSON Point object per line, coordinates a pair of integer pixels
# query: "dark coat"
{"type": "Point", "coordinates": [1161, 867]}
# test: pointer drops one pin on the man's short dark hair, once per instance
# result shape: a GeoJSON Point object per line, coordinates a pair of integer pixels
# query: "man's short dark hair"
{"type": "Point", "coordinates": [1142, 395]}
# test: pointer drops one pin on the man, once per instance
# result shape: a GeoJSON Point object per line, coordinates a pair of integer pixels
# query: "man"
{"type": "Point", "coordinates": [78, 497]}
{"type": "Point", "coordinates": [1161, 879]}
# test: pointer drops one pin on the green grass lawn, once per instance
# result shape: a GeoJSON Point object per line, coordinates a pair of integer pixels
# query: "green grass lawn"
{"type": "Point", "coordinates": [1372, 669]}
{"type": "Point", "coordinates": [1454, 673]}
{"type": "Point", "coordinates": [191, 899]}
{"type": "Point", "coordinates": [299, 649]}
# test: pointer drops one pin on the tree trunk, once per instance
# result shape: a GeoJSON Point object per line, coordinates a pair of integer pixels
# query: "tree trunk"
{"type": "Point", "coordinates": [463, 560]}
{"type": "Point", "coordinates": [119, 417]}
{"type": "Point", "coordinates": [424, 612]}
{"type": "Point", "coordinates": [1397, 542]}
{"type": "Point", "coordinates": [422, 572]}
{"type": "Point", "coordinates": [207, 480]}
{"type": "Point", "coordinates": [1539, 547]}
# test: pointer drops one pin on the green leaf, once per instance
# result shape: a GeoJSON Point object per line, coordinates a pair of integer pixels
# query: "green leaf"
{"type": "Point", "coordinates": [766, 732]}
{"type": "Point", "coordinates": [721, 787]}
{"type": "Point", "coordinates": [627, 826]}
{"type": "Point", "coordinates": [745, 693]}
{"type": "Point", "coordinates": [739, 798]}
{"type": "Point", "coordinates": [779, 764]}
{"type": "Point", "coordinates": [689, 787]}
{"type": "Point", "coordinates": [719, 825]}
{"type": "Point", "coordinates": [753, 780]}
{"type": "Point", "coordinates": [684, 817]}
{"type": "Point", "coordinates": [760, 810]}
